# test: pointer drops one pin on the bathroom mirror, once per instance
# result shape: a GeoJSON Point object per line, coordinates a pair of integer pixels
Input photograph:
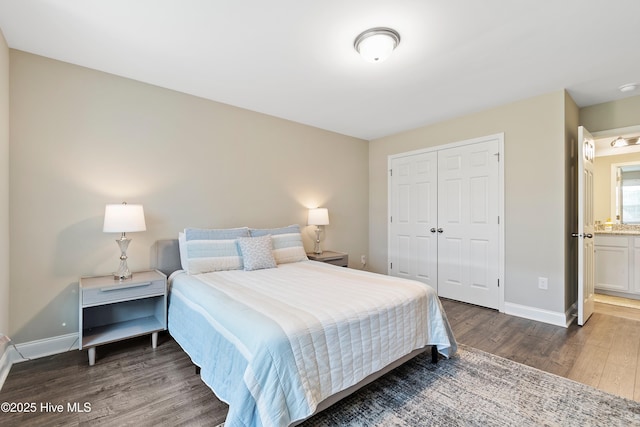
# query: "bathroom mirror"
{"type": "Point", "coordinates": [617, 177]}
{"type": "Point", "coordinates": [626, 192]}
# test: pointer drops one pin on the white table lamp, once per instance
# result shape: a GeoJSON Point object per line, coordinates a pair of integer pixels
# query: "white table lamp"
{"type": "Point", "coordinates": [318, 217]}
{"type": "Point", "coordinates": [123, 219]}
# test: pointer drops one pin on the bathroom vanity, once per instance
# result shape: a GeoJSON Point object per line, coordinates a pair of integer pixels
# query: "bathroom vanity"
{"type": "Point", "coordinates": [617, 260]}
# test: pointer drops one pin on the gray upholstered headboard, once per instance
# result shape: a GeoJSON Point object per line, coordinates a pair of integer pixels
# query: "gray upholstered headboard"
{"type": "Point", "coordinates": [165, 256]}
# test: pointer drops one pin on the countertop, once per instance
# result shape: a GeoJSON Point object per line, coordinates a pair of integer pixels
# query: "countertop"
{"type": "Point", "coordinates": [619, 232]}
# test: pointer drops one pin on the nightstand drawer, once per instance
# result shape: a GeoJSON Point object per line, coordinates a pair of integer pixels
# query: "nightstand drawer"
{"type": "Point", "coordinates": [124, 292]}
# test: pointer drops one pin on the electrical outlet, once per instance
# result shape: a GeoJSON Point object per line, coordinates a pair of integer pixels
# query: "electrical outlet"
{"type": "Point", "coordinates": [543, 283]}
{"type": "Point", "coordinates": [363, 259]}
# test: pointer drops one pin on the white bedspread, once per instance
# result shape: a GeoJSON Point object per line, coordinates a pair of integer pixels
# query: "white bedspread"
{"type": "Point", "coordinates": [299, 333]}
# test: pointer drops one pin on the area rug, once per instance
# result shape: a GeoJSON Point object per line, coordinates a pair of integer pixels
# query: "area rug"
{"type": "Point", "coordinates": [475, 388]}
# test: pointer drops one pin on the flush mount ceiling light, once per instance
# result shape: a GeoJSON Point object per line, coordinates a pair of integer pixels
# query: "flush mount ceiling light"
{"type": "Point", "coordinates": [376, 44]}
{"type": "Point", "coordinates": [629, 87]}
{"type": "Point", "coordinates": [623, 142]}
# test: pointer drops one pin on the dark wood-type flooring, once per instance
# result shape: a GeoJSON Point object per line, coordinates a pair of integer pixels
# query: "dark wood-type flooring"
{"type": "Point", "coordinates": [132, 384]}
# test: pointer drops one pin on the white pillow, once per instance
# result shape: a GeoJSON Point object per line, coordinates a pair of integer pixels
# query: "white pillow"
{"type": "Point", "coordinates": [182, 244]}
{"type": "Point", "coordinates": [213, 249]}
{"type": "Point", "coordinates": [287, 243]}
{"type": "Point", "coordinates": [257, 252]}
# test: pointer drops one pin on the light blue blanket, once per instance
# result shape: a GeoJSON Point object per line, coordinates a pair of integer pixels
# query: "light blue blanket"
{"type": "Point", "coordinates": [271, 358]}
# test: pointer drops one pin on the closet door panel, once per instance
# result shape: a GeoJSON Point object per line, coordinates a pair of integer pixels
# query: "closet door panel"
{"type": "Point", "coordinates": [468, 214]}
{"type": "Point", "coordinates": [413, 211]}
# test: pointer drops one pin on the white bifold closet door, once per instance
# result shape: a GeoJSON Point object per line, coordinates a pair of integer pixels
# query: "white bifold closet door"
{"type": "Point", "coordinates": [444, 224]}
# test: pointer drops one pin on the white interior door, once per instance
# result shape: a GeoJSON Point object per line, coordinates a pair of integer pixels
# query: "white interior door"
{"type": "Point", "coordinates": [412, 238]}
{"type": "Point", "coordinates": [468, 223]}
{"type": "Point", "coordinates": [586, 254]}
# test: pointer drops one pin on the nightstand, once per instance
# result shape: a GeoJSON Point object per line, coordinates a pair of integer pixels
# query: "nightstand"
{"type": "Point", "coordinates": [112, 310]}
{"type": "Point", "coordinates": [336, 258]}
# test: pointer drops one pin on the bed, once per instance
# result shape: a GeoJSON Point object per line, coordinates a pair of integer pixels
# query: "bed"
{"type": "Point", "coordinates": [282, 342]}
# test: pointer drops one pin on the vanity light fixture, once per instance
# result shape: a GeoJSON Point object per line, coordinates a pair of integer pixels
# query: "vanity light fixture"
{"type": "Point", "coordinates": [376, 44]}
{"type": "Point", "coordinates": [623, 142]}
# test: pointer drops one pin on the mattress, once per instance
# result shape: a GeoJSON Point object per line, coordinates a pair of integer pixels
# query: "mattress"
{"type": "Point", "coordinates": [274, 343]}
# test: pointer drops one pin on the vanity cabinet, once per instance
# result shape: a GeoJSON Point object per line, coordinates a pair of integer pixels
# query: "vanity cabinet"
{"type": "Point", "coordinates": [617, 259]}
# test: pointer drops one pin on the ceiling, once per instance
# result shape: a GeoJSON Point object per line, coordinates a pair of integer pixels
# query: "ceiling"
{"type": "Point", "coordinates": [294, 59]}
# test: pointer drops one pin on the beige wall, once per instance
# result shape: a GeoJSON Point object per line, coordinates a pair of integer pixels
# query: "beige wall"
{"type": "Point", "coordinates": [535, 199]}
{"type": "Point", "coordinates": [81, 139]}
{"type": "Point", "coordinates": [611, 115]}
{"type": "Point", "coordinates": [571, 120]}
{"type": "Point", "coordinates": [4, 186]}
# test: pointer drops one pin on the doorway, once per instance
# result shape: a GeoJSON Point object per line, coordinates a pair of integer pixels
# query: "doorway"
{"type": "Point", "coordinates": [617, 289]}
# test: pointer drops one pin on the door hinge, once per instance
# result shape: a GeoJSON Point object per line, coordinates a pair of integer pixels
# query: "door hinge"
{"type": "Point", "coordinates": [498, 219]}
{"type": "Point", "coordinates": [498, 282]}
{"type": "Point", "coordinates": [497, 156]}
{"type": "Point", "coordinates": [391, 219]}
{"type": "Point", "coordinates": [390, 172]}
{"type": "Point", "coordinates": [391, 266]}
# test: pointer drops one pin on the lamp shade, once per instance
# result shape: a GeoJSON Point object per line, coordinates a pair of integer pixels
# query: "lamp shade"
{"type": "Point", "coordinates": [123, 218]}
{"type": "Point", "coordinates": [318, 216]}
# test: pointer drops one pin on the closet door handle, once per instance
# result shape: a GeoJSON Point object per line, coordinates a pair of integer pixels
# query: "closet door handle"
{"type": "Point", "coordinates": [433, 230]}
{"type": "Point", "coordinates": [440, 230]}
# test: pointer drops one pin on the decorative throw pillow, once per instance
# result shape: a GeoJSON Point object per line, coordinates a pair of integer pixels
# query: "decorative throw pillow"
{"type": "Point", "coordinates": [257, 252]}
{"type": "Point", "coordinates": [287, 243]}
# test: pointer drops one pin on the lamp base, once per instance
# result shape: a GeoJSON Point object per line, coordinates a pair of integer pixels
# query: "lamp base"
{"type": "Point", "coordinates": [122, 276]}
{"type": "Point", "coordinates": [316, 247]}
{"type": "Point", "coordinates": [123, 272]}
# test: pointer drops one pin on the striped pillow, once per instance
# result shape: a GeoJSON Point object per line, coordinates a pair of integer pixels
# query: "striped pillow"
{"type": "Point", "coordinates": [287, 243]}
{"type": "Point", "coordinates": [213, 250]}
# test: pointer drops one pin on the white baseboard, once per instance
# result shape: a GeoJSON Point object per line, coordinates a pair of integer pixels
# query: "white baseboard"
{"type": "Point", "coordinates": [5, 359]}
{"type": "Point", "coordinates": [32, 350]}
{"type": "Point", "coordinates": [538, 314]}
{"type": "Point", "coordinates": [44, 347]}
